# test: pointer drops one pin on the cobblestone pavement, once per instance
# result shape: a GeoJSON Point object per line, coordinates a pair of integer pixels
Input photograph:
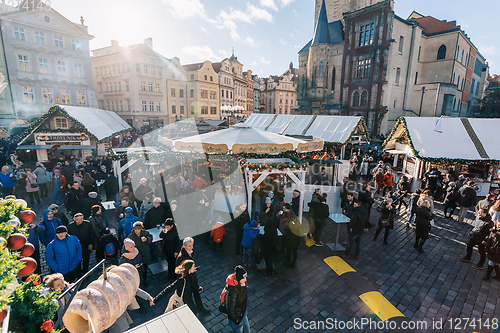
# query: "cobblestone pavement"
{"type": "Point", "coordinates": [431, 286]}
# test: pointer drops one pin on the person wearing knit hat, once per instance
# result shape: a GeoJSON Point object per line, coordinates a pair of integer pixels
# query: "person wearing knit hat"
{"type": "Point", "coordinates": [126, 224]}
{"type": "Point", "coordinates": [131, 256]}
{"type": "Point", "coordinates": [236, 304]}
{"type": "Point", "coordinates": [142, 239]}
{"type": "Point", "coordinates": [58, 214]}
{"type": "Point", "coordinates": [250, 232]}
{"type": "Point", "coordinates": [107, 247]}
{"type": "Point", "coordinates": [64, 254]}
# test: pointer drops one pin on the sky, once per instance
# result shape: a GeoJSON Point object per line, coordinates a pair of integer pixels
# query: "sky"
{"type": "Point", "coordinates": [265, 34]}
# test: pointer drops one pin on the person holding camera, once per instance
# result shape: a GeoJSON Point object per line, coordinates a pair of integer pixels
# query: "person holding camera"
{"type": "Point", "coordinates": [386, 219]}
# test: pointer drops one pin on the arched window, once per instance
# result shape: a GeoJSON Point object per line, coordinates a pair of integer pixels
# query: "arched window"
{"type": "Point", "coordinates": [315, 71]}
{"type": "Point", "coordinates": [458, 81]}
{"type": "Point", "coordinates": [355, 99]}
{"type": "Point", "coordinates": [321, 73]}
{"type": "Point", "coordinates": [441, 52]}
{"type": "Point", "coordinates": [333, 78]}
{"type": "Point", "coordinates": [364, 98]}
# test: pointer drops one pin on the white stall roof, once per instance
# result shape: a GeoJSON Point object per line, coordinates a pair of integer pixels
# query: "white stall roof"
{"type": "Point", "coordinates": [259, 121]}
{"type": "Point", "coordinates": [298, 125]}
{"type": "Point", "coordinates": [333, 128]}
{"type": "Point", "coordinates": [487, 132]}
{"type": "Point", "coordinates": [280, 123]}
{"type": "Point", "coordinates": [452, 141]}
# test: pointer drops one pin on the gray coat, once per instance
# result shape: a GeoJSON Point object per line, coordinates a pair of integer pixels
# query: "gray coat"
{"type": "Point", "coordinates": [42, 175]}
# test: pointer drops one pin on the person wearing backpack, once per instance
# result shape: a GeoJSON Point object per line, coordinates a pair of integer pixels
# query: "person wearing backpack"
{"type": "Point", "coordinates": [236, 300]}
{"type": "Point", "coordinates": [50, 224]}
{"type": "Point", "coordinates": [107, 247]}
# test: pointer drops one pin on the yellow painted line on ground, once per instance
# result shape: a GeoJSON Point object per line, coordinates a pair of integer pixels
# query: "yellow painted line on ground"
{"type": "Point", "coordinates": [380, 305]}
{"type": "Point", "coordinates": [338, 265]}
{"type": "Point", "coordinates": [309, 242]}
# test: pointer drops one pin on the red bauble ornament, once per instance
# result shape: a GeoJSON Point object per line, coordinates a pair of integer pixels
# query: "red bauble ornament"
{"type": "Point", "coordinates": [3, 314]}
{"type": "Point", "coordinates": [47, 326]}
{"type": "Point", "coordinates": [16, 241]}
{"type": "Point", "coordinates": [27, 216]}
{"type": "Point", "coordinates": [28, 268]}
{"type": "Point", "coordinates": [27, 250]}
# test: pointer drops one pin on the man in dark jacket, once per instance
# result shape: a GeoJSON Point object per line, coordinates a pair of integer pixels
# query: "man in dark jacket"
{"type": "Point", "coordinates": [296, 202]}
{"type": "Point", "coordinates": [413, 207]}
{"type": "Point", "coordinates": [106, 243]}
{"type": "Point", "coordinates": [155, 215]}
{"type": "Point", "coordinates": [186, 253]}
{"type": "Point", "coordinates": [292, 234]}
{"type": "Point", "coordinates": [120, 209]}
{"type": "Point", "coordinates": [467, 198]}
{"type": "Point", "coordinates": [171, 245]}
{"type": "Point", "coordinates": [142, 239]}
{"type": "Point", "coordinates": [320, 215]}
{"type": "Point", "coordinates": [315, 201]}
{"type": "Point", "coordinates": [486, 203]}
{"type": "Point", "coordinates": [75, 202]}
{"type": "Point", "coordinates": [482, 226]}
{"type": "Point", "coordinates": [110, 186]}
{"type": "Point", "coordinates": [58, 214]}
{"type": "Point", "coordinates": [357, 225]}
{"type": "Point", "coordinates": [237, 300]}
{"type": "Point", "coordinates": [83, 230]}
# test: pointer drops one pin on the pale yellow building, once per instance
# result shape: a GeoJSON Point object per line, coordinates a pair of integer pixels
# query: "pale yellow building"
{"type": "Point", "coordinates": [176, 97]}
{"type": "Point", "coordinates": [203, 91]}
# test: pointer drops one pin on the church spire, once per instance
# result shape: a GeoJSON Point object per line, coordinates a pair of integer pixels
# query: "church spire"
{"type": "Point", "coordinates": [321, 34]}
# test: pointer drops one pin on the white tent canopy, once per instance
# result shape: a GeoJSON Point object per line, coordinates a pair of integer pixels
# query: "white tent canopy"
{"type": "Point", "coordinates": [450, 138]}
{"type": "Point", "coordinates": [337, 129]}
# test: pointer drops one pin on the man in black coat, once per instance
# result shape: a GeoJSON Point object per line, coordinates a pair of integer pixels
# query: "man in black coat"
{"type": "Point", "coordinates": [155, 215]}
{"type": "Point", "coordinates": [186, 253]}
{"type": "Point", "coordinates": [171, 245]}
{"type": "Point", "coordinates": [120, 209]}
{"type": "Point", "coordinates": [110, 186]}
{"type": "Point", "coordinates": [58, 214]}
{"type": "Point", "coordinates": [467, 198]}
{"type": "Point", "coordinates": [320, 215]}
{"type": "Point", "coordinates": [75, 202]}
{"type": "Point", "coordinates": [481, 230]}
{"type": "Point", "coordinates": [357, 225]}
{"type": "Point", "coordinates": [83, 230]}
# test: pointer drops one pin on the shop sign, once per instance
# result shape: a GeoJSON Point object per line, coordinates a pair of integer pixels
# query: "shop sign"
{"type": "Point", "coordinates": [62, 137]}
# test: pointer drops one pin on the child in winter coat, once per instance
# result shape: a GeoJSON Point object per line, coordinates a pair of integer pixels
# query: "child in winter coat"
{"type": "Point", "coordinates": [250, 232]}
{"type": "Point", "coordinates": [217, 234]}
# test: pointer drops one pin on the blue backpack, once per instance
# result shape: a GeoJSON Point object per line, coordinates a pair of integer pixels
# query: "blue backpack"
{"type": "Point", "coordinates": [110, 249]}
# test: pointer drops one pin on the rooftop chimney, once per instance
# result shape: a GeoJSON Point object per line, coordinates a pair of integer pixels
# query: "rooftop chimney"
{"type": "Point", "coordinates": [114, 42]}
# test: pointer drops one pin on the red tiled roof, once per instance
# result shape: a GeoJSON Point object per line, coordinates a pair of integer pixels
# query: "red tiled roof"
{"type": "Point", "coordinates": [217, 66]}
{"type": "Point", "coordinates": [432, 25]}
{"type": "Point", "coordinates": [193, 67]}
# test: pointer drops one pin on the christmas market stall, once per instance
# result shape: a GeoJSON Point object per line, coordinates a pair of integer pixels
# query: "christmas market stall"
{"type": "Point", "coordinates": [71, 130]}
{"type": "Point", "coordinates": [461, 145]}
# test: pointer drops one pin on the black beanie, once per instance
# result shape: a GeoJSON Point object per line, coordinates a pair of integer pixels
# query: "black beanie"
{"type": "Point", "coordinates": [61, 229]}
{"type": "Point", "coordinates": [240, 272]}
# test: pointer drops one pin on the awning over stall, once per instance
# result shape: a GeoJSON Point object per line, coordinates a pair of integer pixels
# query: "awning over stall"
{"type": "Point", "coordinates": [432, 138]}
{"type": "Point", "coordinates": [34, 147]}
{"type": "Point", "coordinates": [260, 120]}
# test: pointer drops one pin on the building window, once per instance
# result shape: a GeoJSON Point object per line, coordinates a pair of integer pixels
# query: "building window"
{"type": "Point", "coordinates": [23, 63]}
{"type": "Point", "coordinates": [181, 109]}
{"type": "Point", "coordinates": [61, 67]}
{"type": "Point", "coordinates": [174, 111]}
{"type": "Point", "coordinates": [61, 123]}
{"type": "Point", "coordinates": [418, 56]}
{"type": "Point", "coordinates": [441, 52]}
{"type": "Point", "coordinates": [355, 99]}
{"type": "Point", "coordinates": [158, 107]}
{"type": "Point", "coordinates": [78, 70]}
{"type": "Point", "coordinates": [192, 76]}
{"type": "Point", "coordinates": [204, 110]}
{"type": "Point", "coordinates": [116, 86]}
{"type": "Point", "coordinates": [172, 92]}
{"type": "Point", "coordinates": [39, 37]}
{"type": "Point", "coordinates": [366, 35]}
{"type": "Point", "coordinates": [100, 87]}
{"type": "Point", "coordinates": [401, 44]}
{"type": "Point", "coordinates": [456, 57]}
{"type": "Point", "coordinates": [363, 68]}
{"type": "Point", "coordinates": [143, 85]}
{"type": "Point", "coordinates": [211, 78]}
{"type": "Point", "coordinates": [19, 33]}
{"type": "Point", "coordinates": [146, 69]}
{"type": "Point", "coordinates": [28, 95]}
{"type": "Point", "coordinates": [181, 93]}
{"type": "Point", "coordinates": [204, 93]}
{"type": "Point", "coordinates": [364, 98]}
{"type": "Point", "coordinates": [205, 77]}
{"type": "Point", "coordinates": [333, 79]}
{"type": "Point", "coordinates": [137, 68]}
{"type": "Point", "coordinates": [398, 74]}
{"type": "Point", "coordinates": [192, 109]}
{"type": "Point", "coordinates": [213, 110]}
{"type": "Point", "coordinates": [58, 41]}
{"type": "Point", "coordinates": [121, 105]}
{"type": "Point", "coordinates": [128, 106]}
{"type": "Point", "coordinates": [75, 44]}
{"type": "Point", "coordinates": [150, 86]}
{"type": "Point", "coordinates": [80, 97]}
{"type": "Point", "coordinates": [47, 95]}
{"type": "Point", "coordinates": [416, 77]}
{"type": "Point", "coordinates": [65, 96]}
{"type": "Point", "coordinates": [144, 106]}
{"type": "Point", "coordinates": [119, 85]}
{"type": "Point", "coordinates": [127, 86]}
{"type": "Point", "coordinates": [213, 95]}
{"type": "Point", "coordinates": [151, 106]}
{"type": "Point", "coordinates": [157, 87]}
{"type": "Point", "coordinates": [191, 93]}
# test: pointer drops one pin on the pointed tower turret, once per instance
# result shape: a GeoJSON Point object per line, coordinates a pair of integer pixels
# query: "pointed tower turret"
{"type": "Point", "coordinates": [321, 34]}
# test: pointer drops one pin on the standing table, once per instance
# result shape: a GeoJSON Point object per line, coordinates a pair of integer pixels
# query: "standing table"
{"type": "Point", "coordinates": [338, 219]}
{"type": "Point", "coordinates": [161, 265]}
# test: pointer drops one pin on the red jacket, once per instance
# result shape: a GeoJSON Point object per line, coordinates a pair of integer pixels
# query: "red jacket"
{"type": "Point", "coordinates": [64, 184]}
{"type": "Point", "coordinates": [218, 232]}
{"type": "Point", "coordinates": [388, 180]}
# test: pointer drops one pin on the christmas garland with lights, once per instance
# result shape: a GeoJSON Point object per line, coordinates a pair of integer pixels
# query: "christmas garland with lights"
{"type": "Point", "coordinates": [58, 108]}
{"type": "Point", "coordinates": [295, 161]}
{"type": "Point", "coordinates": [406, 139]}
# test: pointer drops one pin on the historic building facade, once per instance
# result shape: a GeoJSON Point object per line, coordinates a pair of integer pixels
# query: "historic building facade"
{"type": "Point", "coordinates": [46, 61]}
{"type": "Point", "coordinates": [203, 90]}
{"type": "Point", "coordinates": [278, 94]}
